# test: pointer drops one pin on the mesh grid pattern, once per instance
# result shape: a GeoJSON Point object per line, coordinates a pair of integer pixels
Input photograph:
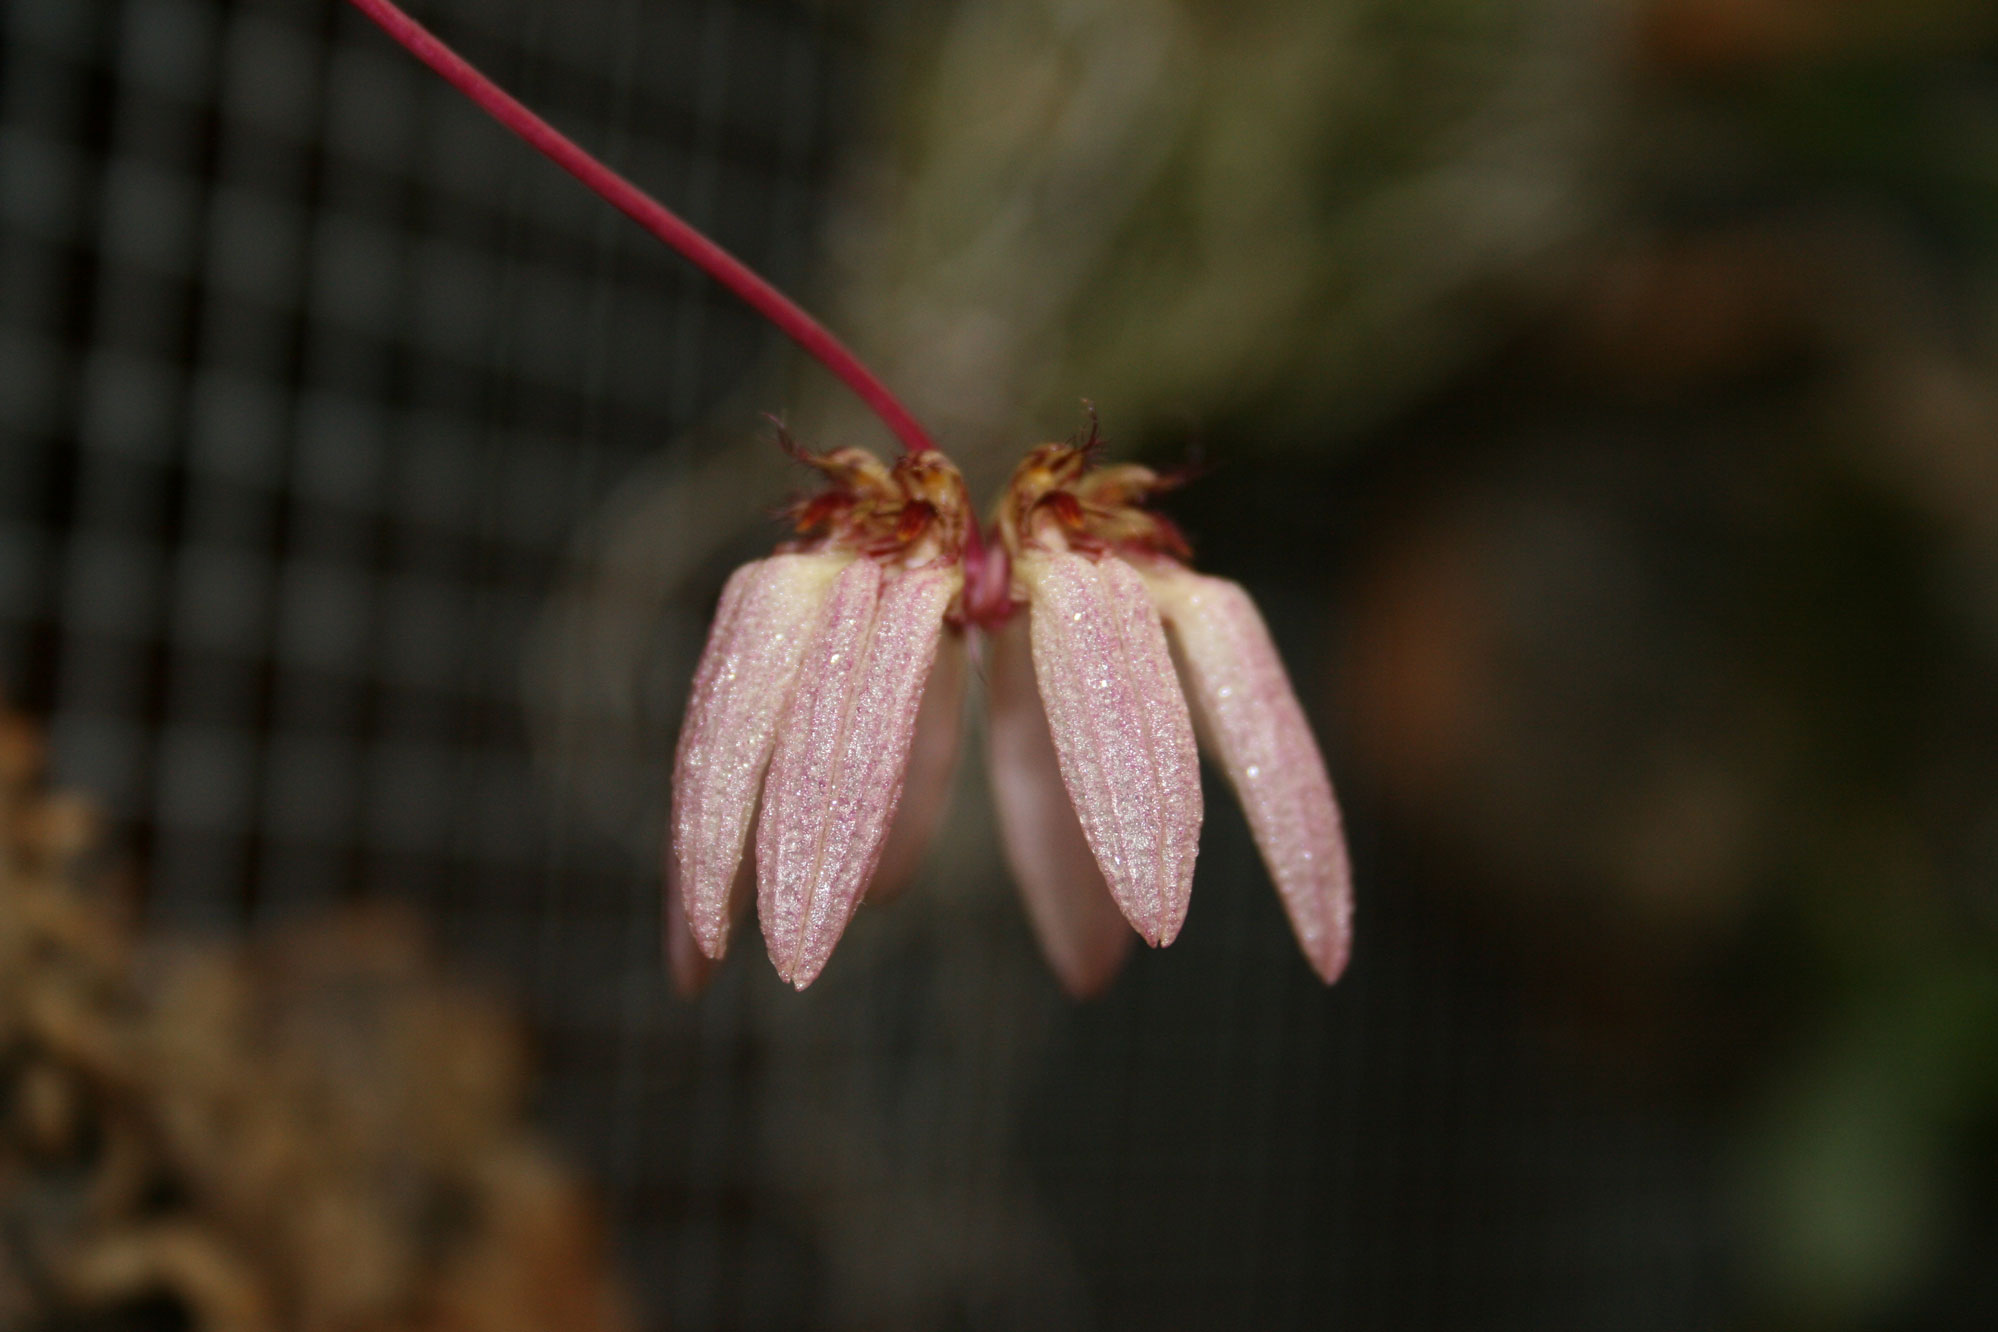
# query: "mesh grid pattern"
{"type": "Point", "coordinates": [308, 376]}
{"type": "Point", "coordinates": [312, 375]}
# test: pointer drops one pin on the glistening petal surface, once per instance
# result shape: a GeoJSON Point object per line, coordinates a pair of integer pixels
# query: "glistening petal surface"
{"type": "Point", "coordinates": [1121, 730]}
{"type": "Point", "coordinates": [1082, 933]}
{"type": "Point", "coordinates": [1252, 719]}
{"type": "Point", "coordinates": [769, 612]}
{"type": "Point", "coordinates": [690, 968]}
{"type": "Point", "coordinates": [842, 749]}
{"type": "Point", "coordinates": [932, 764]}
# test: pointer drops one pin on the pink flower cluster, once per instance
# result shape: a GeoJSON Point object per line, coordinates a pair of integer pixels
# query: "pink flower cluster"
{"type": "Point", "coordinates": [834, 677]}
{"type": "Point", "coordinates": [826, 714]}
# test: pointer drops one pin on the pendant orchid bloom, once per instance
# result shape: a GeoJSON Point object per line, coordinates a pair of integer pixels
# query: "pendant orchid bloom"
{"type": "Point", "coordinates": [827, 707]}
{"type": "Point", "coordinates": [836, 669]}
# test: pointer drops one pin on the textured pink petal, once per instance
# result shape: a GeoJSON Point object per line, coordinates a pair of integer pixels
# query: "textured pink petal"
{"type": "Point", "coordinates": [1082, 933]}
{"type": "Point", "coordinates": [932, 764]}
{"type": "Point", "coordinates": [842, 749]}
{"type": "Point", "coordinates": [1251, 718]}
{"type": "Point", "coordinates": [767, 615]}
{"type": "Point", "coordinates": [690, 967]}
{"type": "Point", "coordinates": [1121, 731]}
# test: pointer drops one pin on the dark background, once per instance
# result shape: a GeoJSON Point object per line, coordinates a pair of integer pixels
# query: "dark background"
{"type": "Point", "coordinates": [1650, 627]}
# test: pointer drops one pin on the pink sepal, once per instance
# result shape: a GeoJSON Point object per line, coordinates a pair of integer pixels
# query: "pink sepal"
{"type": "Point", "coordinates": [690, 968]}
{"type": "Point", "coordinates": [1082, 933]}
{"type": "Point", "coordinates": [1121, 731]}
{"type": "Point", "coordinates": [932, 765]}
{"type": "Point", "coordinates": [842, 750]}
{"type": "Point", "coordinates": [1252, 721]}
{"type": "Point", "coordinates": [768, 612]}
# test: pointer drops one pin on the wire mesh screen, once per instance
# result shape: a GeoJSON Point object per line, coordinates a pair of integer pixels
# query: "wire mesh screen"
{"type": "Point", "coordinates": [309, 379]}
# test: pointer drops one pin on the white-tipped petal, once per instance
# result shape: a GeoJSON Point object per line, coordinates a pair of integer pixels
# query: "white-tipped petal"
{"type": "Point", "coordinates": [1121, 730]}
{"type": "Point", "coordinates": [1082, 933]}
{"type": "Point", "coordinates": [768, 613]}
{"type": "Point", "coordinates": [842, 749]}
{"type": "Point", "coordinates": [1251, 719]}
{"type": "Point", "coordinates": [932, 765]}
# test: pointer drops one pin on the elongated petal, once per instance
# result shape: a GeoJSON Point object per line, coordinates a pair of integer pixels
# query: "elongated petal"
{"type": "Point", "coordinates": [1082, 933]}
{"type": "Point", "coordinates": [842, 749]}
{"type": "Point", "coordinates": [1121, 731]}
{"type": "Point", "coordinates": [691, 968]}
{"type": "Point", "coordinates": [932, 765]}
{"type": "Point", "coordinates": [767, 615]}
{"type": "Point", "coordinates": [1252, 720]}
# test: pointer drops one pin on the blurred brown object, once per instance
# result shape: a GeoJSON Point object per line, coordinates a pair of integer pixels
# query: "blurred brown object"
{"type": "Point", "coordinates": [313, 1132]}
{"type": "Point", "coordinates": [1718, 35]}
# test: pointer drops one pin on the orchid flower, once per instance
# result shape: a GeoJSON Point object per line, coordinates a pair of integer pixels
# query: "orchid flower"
{"type": "Point", "coordinates": [835, 660]}
{"type": "Point", "coordinates": [836, 668]}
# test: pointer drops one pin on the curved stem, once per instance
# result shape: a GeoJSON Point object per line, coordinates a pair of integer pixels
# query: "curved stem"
{"type": "Point", "coordinates": [654, 216]}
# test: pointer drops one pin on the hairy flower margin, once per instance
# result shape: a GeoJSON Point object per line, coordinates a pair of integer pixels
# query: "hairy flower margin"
{"type": "Point", "coordinates": [827, 709]}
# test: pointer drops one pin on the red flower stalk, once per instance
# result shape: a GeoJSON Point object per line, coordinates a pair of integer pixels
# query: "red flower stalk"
{"type": "Point", "coordinates": [833, 681]}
